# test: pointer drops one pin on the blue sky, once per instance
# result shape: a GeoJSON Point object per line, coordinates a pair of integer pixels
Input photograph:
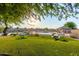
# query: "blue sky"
{"type": "Point", "coordinates": [55, 23]}
{"type": "Point", "coordinates": [49, 22]}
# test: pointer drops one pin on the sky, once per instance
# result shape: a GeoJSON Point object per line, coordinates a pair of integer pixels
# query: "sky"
{"type": "Point", "coordinates": [48, 22]}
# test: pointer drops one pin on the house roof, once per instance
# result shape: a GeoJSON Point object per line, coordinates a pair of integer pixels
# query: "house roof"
{"type": "Point", "coordinates": [66, 28]}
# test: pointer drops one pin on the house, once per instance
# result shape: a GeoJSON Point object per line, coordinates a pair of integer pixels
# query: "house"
{"type": "Point", "coordinates": [41, 31]}
{"type": "Point", "coordinates": [64, 31]}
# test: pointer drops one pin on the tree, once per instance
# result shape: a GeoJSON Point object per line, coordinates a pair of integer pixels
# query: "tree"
{"type": "Point", "coordinates": [13, 13]}
{"type": "Point", "coordinates": [1, 29]}
{"type": "Point", "coordinates": [70, 25]}
{"type": "Point", "coordinates": [46, 29]}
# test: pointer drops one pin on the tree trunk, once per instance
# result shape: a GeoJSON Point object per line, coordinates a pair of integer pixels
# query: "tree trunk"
{"type": "Point", "coordinates": [5, 29]}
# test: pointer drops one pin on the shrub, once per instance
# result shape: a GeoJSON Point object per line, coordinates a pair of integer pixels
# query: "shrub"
{"type": "Point", "coordinates": [65, 39]}
{"type": "Point", "coordinates": [35, 34]}
{"type": "Point", "coordinates": [20, 37]}
{"type": "Point", "coordinates": [13, 34]}
{"type": "Point", "coordinates": [56, 37]}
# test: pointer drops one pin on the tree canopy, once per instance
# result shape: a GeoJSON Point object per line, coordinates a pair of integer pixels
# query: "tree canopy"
{"type": "Point", "coordinates": [70, 25]}
{"type": "Point", "coordinates": [17, 11]}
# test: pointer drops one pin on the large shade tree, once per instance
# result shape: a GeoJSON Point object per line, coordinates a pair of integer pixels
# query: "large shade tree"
{"type": "Point", "coordinates": [70, 25]}
{"type": "Point", "coordinates": [13, 13]}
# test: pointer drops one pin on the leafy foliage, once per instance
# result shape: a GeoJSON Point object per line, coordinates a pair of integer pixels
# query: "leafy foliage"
{"type": "Point", "coordinates": [66, 39]}
{"type": "Point", "coordinates": [20, 37]}
{"type": "Point", "coordinates": [14, 13]}
{"type": "Point", "coordinates": [70, 25]}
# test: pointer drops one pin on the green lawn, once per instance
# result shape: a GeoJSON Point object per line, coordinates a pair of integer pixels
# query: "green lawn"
{"type": "Point", "coordinates": [38, 46]}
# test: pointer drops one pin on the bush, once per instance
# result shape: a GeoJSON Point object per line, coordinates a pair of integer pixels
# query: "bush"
{"type": "Point", "coordinates": [13, 34]}
{"type": "Point", "coordinates": [65, 39]}
{"type": "Point", "coordinates": [34, 34]}
{"type": "Point", "coordinates": [56, 37]}
{"type": "Point", "coordinates": [20, 37]}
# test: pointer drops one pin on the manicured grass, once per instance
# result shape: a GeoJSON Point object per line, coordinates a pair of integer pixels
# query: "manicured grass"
{"type": "Point", "coordinates": [38, 46]}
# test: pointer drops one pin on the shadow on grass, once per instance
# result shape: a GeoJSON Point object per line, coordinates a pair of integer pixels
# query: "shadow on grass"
{"type": "Point", "coordinates": [5, 55]}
